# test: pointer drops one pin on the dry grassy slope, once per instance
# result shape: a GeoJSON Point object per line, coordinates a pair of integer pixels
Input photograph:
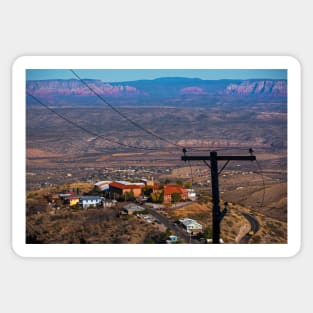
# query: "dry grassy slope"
{"type": "Point", "coordinates": [275, 199]}
{"type": "Point", "coordinates": [202, 213]}
{"type": "Point", "coordinates": [82, 226]}
{"type": "Point", "coordinates": [271, 230]}
{"type": "Point", "coordinates": [92, 226]}
{"type": "Point", "coordinates": [39, 153]}
{"type": "Point", "coordinates": [101, 226]}
{"type": "Point", "coordinates": [83, 187]}
{"type": "Point", "coordinates": [183, 125]}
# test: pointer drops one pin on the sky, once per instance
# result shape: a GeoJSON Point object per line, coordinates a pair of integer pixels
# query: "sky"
{"type": "Point", "coordinates": [120, 75]}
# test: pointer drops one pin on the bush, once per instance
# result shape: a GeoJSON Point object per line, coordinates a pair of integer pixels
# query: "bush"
{"type": "Point", "coordinates": [188, 185]}
{"type": "Point", "coordinates": [157, 197]}
{"type": "Point", "coordinates": [176, 197]}
{"type": "Point", "coordinates": [207, 233]}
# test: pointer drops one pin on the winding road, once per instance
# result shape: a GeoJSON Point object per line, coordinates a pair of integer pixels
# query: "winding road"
{"type": "Point", "coordinates": [254, 227]}
{"type": "Point", "coordinates": [172, 226]}
{"type": "Point", "coordinates": [182, 234]}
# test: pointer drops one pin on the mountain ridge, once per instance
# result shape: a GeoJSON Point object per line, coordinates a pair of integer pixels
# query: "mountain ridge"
{"type": "Point", "coordinates": [70, 91]}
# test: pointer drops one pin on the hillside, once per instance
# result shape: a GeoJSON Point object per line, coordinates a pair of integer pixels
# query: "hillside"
{"type": "Point", "coordinates": [56, 223]}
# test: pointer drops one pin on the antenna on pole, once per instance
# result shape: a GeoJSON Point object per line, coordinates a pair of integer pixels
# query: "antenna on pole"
{"type": "Point", "coordinates": [213, 165]}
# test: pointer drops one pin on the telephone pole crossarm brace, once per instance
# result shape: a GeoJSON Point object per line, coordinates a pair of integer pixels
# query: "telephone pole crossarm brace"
{"type": "Point", "coordinates": [214, 158]}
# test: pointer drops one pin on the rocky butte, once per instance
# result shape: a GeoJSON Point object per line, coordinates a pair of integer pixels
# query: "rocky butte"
{"type": "Point", "coordinates": [168, 90]}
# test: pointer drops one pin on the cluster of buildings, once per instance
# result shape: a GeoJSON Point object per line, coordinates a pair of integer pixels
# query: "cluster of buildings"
{"type": "Point", "coordinates": [124, 188]}
{"type": "Point", "coordinates": [85, 202]}
{"type": "Point", "coordinates": [112, 190]}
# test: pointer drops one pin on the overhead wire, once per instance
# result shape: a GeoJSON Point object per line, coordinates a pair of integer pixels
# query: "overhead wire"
{"type": "Point", "coordinates": [85, 129]}
{"type": "Point", "coordinates": [136, 124]}
{"type": "Point", "coordinates": [263, 183]}
{"type": "Point", "coordinates": [114, 141]}
{"type": "Point", "coordinates": [123, 115]}
{"type": "Point", "coordinates": [139, 127]}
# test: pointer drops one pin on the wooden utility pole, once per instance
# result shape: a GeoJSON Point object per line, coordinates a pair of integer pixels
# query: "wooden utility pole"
{"type": "Point", "coordinates": [214, 158]}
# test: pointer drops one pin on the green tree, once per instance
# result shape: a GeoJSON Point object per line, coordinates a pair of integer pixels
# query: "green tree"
{"type": "Point", "coordinates": [147, 191]}
{"type": "Point", "coordinates": [188, 185]}
{"type": "Point", "coordinates": [167, 233]}
{"type": "Point", "coordinates": [157, 197]}
{"type": "Point", "coordinates": [129, 196]}
{"type": "Point", "coordinates": [207, 233]}
{"type": "Point", "coordinates": [179, 182]}
{"type": "Point", "coordinates": [176, 197]}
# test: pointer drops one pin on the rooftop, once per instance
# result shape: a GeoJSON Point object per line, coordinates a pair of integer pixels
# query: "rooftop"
{"type": "Point", "coordinates": [103, 182]}
{"type": "Point", "coordinates": [90, 198]}
{"type": "Point", "coordinates": [170, 189]}
{"type": "Point", "coordinates": [133, 207]}
{"type": "Point", "coordinates": [190, 222]}
{"type": "Point", "coordinates": [127, 185]}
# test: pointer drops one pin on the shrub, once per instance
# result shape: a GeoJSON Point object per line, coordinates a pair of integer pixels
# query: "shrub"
{"type": "Point", "coordinates": [207, 233]}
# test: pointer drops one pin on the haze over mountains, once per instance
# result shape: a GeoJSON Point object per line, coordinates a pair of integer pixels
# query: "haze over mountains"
{"type": "Point", "coordinates": [176, 91]}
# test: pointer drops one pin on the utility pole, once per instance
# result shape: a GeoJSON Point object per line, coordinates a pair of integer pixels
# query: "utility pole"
{"type": "Point", "coordinates": [214, 158]}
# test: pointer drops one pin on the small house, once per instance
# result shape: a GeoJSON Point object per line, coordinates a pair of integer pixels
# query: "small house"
{"type": "Point", "coordinates": [131, 208]}
{"type": "Point", "coordinates": [191, 226]}
{"type": "Point", "coordinates": [90, 201]}
{"type": "Point", "coordinates": [191, 194]}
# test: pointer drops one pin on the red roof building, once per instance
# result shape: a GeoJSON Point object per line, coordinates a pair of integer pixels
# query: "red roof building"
{"type": "Point", "coordinates": [122, 187]}
{"type": "Point", "coordinates": [169, 190]}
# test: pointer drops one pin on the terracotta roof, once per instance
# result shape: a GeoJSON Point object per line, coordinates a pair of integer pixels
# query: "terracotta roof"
{"type": "Point", "coordinates": [124, 186]}
{"type": "Point", "coordinates": [170, 189]}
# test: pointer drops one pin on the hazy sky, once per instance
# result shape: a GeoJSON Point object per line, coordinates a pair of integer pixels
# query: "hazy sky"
{"type": "Point", "coordinates": [118, 75]}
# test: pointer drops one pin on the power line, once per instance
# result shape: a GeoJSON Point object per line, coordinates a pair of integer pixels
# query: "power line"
{"type": "Point", "coordinates": [124, 115]}
{"type": "Point", "coordinates": [195, 148]}
{"type": "Point", "coordinates": [85, 129]}
{"type": "Point", "coordinates": [263, 182]}
{"type": "Point", "coordinates": [136, 124]}
{"type": "Point", "coordinates": [214, 158]}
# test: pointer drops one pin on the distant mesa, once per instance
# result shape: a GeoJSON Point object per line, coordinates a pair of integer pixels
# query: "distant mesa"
{"type": "Point", "coordinates": [73, 87]}
{"type": "Point", "coordinates": [168, 90]}
{"type": "Point", "coordinates": [258, 87]}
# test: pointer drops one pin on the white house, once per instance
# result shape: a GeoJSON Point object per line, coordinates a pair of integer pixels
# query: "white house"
{"type": "Point", "coordinates": [88, 201]}
{"type": "Point", "coordinates": [191, 226]}
{"type": "Point", "coordinates": [191, 194]}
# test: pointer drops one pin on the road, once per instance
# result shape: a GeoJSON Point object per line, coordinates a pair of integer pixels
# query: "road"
{"type": "Point", "coordinates": [172, 226]}
{"type": "Point", "coordinates": [254, 227]}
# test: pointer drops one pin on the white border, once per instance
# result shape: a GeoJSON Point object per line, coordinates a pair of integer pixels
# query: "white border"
{"type": "Point", "coordinates": [156, 62]}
